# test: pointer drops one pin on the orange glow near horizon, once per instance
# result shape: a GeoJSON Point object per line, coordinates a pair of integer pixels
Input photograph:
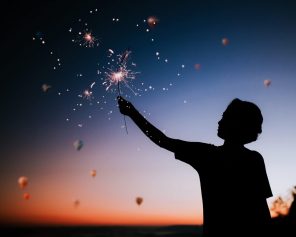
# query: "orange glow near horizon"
{"type": "Point", "coordinates": [34, 213]}
{"type": "Point", "coordinates": [103, 200]}
{"type": "Point", "coordinates": [99, 220]}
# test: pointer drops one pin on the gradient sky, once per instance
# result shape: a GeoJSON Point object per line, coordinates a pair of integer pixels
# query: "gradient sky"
{"type": "Point", "coordinates": [38, 129]}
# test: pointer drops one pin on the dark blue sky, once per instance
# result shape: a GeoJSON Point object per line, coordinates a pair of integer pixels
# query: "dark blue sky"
{"type": "Point", "coordinates": [186, 26]}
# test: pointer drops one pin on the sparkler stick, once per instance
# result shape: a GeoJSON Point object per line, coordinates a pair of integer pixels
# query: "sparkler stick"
{"type": "Point", "coordinates": [119, 93]}
{"type": "Point", "coordinates": [121, 74]}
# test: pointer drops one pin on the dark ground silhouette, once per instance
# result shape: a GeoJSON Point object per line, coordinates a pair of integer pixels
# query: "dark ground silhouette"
{"type": "Point", "coordinates": [108, 231]}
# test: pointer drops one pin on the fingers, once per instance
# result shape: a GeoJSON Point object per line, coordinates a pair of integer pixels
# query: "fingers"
{"type": "Point", "coordinates": [121, 100]}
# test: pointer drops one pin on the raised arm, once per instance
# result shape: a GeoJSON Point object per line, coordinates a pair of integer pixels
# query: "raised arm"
{"type": "Point", "coordinates": [147, 128]}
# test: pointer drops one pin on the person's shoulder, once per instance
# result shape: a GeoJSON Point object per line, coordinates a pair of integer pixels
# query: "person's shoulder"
{"type": "Point", "coordinates": [255, 155]}
{"type": "Point", "coordinates": [202, 147]}
{"type": "Point", "coordinates": [192, 146]}
{"type": "Point", "coordinates": [188, 151]}
{"type": "Point", "coordinates": [209, 146]}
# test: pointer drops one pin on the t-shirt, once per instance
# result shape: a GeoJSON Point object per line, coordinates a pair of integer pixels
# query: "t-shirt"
{"type": "Point", "coordinates": [234, 186]}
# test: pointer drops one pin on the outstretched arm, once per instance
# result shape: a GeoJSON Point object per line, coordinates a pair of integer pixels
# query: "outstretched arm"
{"type": "Point", "coordinates": [147, 128]}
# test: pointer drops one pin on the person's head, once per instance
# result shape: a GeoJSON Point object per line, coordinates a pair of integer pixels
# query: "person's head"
{"type": "Point", "coordinates": [241, 122]}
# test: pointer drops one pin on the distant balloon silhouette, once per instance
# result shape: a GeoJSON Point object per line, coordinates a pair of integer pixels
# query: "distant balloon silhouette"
{"type": "Point", "coordinates": [76, 203]}
{"type": "Point", "coordinates": [26, 196]}
{"type": "Point", "coordinates": [267, 82]}
{"type": "Point", "coordinates": [152, 21]}
{"type": "Point", "coordinates": [78, 144]}
{"type": "Point", "coordinates": [197, 66]}
{"type": "Point", "coordinates": [93, 173]}
{"type": "Point", "coordinates": [139, 200]}
{"type": "Point", "coordinates": [23, 181]}
{"type": "Point", "coordinates": [45, 87]}
{"type": "Point", "coordinates": [225, 41]}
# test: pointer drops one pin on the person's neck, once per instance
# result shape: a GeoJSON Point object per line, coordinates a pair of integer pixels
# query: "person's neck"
{"type": "Point", "coordinates": [233, 144]}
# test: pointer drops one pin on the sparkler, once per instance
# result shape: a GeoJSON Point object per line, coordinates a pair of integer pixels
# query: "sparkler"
{"type": "Point", "coordinates": [89, 39]}
{"type": "Point", "coordinates": [122, 74]}
{"type": "Point", "coordinates": [86, 39]}
{"type": "Point", "coordinates": [119, 93]}
{"type": "Point", "coordinates": [87, 94]}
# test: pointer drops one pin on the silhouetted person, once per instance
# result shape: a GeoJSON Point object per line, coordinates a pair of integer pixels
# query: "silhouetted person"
{"type": "Point", "coordinates": [233, 179]}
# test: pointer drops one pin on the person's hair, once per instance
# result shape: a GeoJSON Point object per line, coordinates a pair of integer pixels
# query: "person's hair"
{"type": "Point", "coordinates": [241, 122]}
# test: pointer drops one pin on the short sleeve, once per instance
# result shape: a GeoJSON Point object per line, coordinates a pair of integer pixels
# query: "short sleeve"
{"type": "Point", "coordinates": [192, 153]}
{"type": "Point", "coordinates": [263, 178]}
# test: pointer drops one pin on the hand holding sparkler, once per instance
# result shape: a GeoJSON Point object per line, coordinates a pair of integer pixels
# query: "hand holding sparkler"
{"type": "Point", "coordinates": [120, 75]}
{"type": "Point", "coordinates": [125, 107]}
{"type": "Point", "coordinates": [153, 133]}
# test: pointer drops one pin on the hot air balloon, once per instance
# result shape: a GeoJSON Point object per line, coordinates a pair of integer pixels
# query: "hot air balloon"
{"type": "Point", "coordinates": [267, 82]}
{"type": "Point", "coordinates": [26, 196]}
{"type": "Point", "coordinates": [78, 144]}
{"type": "Point", "coordinates": [197, 66]}
{"type": "Point", "coordinates": [76, 203]}
{"type": "Point", "coordinates": [225, 41]}
{"type": "Point", "coordinates": [45, 87]}
{"type": "Point", "coordinates": [139, 200]}
{"type": "Point", "coordinates": [152, 21]}
{"type": "Point", "coordinates": [93, 173]}
{"type": "Point", "coordinates": [23, 181]}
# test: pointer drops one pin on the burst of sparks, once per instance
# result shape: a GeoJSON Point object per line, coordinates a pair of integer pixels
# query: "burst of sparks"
{"type": "Point", "coordinates": [87, 39]}
{"type": "Point", "coordinates": [87, 94]}
{"type": "Point", "coordinates": [121, 74]}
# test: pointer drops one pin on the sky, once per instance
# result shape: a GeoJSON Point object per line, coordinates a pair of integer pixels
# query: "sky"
{"type": "Point", "coordinates": [179, 75]}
